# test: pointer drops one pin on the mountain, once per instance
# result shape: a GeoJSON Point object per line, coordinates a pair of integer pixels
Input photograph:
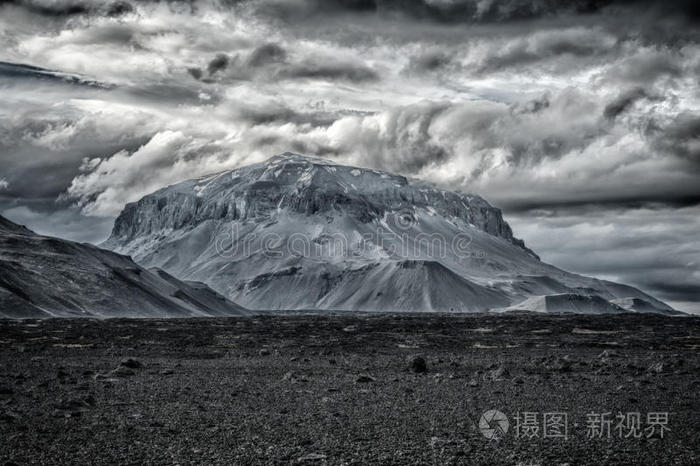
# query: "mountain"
{"type": "Point", "coordinates": [42, 276]}
{"type": "Point", "coordinates": [298, 232]}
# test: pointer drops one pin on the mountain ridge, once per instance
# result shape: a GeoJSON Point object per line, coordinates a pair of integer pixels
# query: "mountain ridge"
{"type": "Point", "coordinates": [297, 232]}
{"type": "Point", "coordinates": [42, 276]}
{"type": "Point", "coordinates": [325, 175]}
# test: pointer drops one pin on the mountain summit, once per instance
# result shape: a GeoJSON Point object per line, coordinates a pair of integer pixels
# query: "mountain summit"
{"type": "Point", "coordinates": [298, 232]}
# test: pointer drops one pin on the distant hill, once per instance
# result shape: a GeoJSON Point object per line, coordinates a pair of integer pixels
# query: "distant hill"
{"type": "Point", "coordinates": [42, 276]}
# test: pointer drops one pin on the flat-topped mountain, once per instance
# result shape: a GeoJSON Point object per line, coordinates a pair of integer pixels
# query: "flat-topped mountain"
{"type": "Point", "coordinates": [298, 232]}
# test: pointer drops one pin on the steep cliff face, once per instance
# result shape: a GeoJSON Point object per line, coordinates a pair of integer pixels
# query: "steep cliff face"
{"type": "Point", "coordinates": [301, 185]}
{"type": "Point", "coordinates": [299, 232]}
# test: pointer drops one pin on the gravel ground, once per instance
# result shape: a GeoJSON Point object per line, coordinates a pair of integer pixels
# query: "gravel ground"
{"type": "Point", "coordinates": [347, 389]}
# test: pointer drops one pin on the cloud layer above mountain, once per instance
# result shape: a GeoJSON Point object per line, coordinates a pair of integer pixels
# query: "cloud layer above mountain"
{"type": "Point", "coordinates": [565, 107]}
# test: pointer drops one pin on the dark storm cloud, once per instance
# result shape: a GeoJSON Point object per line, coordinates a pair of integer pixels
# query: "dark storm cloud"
{"type": "Point", "coordinates": [119, 8]}
{"type": "Point", "coordinates": [17, 71]}
{"type": "Point", "coordinates": [319, 68]}
{"type": "Point", "coordinates": [646, 68]}
{"type": "Point", "coordinates": [278, 113]}
{"type": "Point", "coordinates": [50, 8]}
{"type": "Point", "coordinates": [668, 198]}
{"type": "Point", "coordinates": [66, 9]}
{"type": "Point", "coordinates": [429, 61]}
{"type": "Point", "coordinates": [453, 11]}
{"type": "Point", "coordinates": [682, 137]}
{"type": "Point", "coordinates": [14, 74]}
{"type": "Point", "coordinates": [275, 112]}
{"type": "Point", "coordinates": [266, 54]}
{"type": "Point", "coordinates": [443, 12]}
{"type": "Point", "coordinates": [269, 62]}
{"type": "Point", "coordinates": [196, 73]}
{"type": "Point", "coordinates": [623, 102]}
{"type": "Point", "coordinates": [555, 45]}
{"type": "Point", "coordinates": [474, 11]}
{"type": "Point", "coordinates": [219, 63]}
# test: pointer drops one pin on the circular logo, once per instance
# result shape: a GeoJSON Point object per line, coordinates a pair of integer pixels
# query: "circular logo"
{"type": "Point", "coordinates": [493, 424]}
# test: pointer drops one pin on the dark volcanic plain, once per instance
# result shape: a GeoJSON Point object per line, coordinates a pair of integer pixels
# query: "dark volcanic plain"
{"type": "Point", "coordinates": [338, 389]}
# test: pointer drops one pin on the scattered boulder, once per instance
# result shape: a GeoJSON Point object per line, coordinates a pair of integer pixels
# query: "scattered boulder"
{"type": "Point", "coordinates": [562, 364]}
{"type": "Point", "coordinates": [606, 354]}
{"type": "Point", "coordinates": [264, 352]}
{"type": "Point", "coordinates": [311, 457]}
{"type": "Point", "coordinates": [364, 378]}
{"type": "Point", "coordinates": [125, 369]}
{"type": "Point", "coordinates": [73, 407]}
{"type": "Point", "coordinates": [122, 371]}
{"type": "Point", "coordinates": [417, 364]}
{"type": "Point", "coordinates": [499, 373]}
{"type": "Point", "coordinates": [659, 368]}
{"type": "Point", "coordinates": [9, 417]}
{"type": "Point", "coordinates": [131, 363]}
{"type": "Point", "coordinates": [83, 387]}
{"type": "Point", "coordinates": [106, 378]}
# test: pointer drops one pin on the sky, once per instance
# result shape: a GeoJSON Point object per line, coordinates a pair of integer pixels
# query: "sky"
{"type": "Point", "coordinates": [580, 119]}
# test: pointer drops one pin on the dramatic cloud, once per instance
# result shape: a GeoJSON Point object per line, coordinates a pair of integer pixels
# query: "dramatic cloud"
{"type": "Point", "coordinates": [470, 11]}
{"type": "Point", "coordinates": [572, 107]}
{"type": "Point", "coordinates": [566, 46]}
{"type": "Point", "coordinates": [326, 68]}
{"type": "Point", "coordinates": [53, 219]}
{"type": "Point", "coordinates": [682, 137]}
{"type": "Point", "coordinates": [107, 184]}
{"type": "Point", "coordinates": [623, 102]}
{"type": "Point", "coordinates": [266, 54]}
{"type": "Point", "coordinates": [50, 8]}
{"type": "Point", "coordinates": [220, 62]}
